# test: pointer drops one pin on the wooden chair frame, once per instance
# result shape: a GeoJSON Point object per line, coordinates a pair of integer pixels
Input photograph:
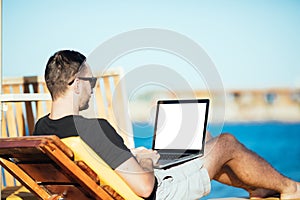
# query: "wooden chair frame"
{"type": "Point", "coordinates": [46, 167]}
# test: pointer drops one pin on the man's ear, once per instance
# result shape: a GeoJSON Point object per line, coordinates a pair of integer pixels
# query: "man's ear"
{"type": "Point", "coordinates": [76, 86]}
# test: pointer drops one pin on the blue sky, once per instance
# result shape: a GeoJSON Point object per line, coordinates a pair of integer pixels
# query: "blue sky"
{"type": "Point", "coordinates": [254, 44]}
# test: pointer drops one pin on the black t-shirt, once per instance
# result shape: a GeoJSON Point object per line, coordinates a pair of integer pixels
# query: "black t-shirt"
{"type": "Point", "coordinates": [97, 133]}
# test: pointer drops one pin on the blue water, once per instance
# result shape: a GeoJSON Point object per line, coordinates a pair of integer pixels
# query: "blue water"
{"type": "Point", "coordinates": [277, 142]}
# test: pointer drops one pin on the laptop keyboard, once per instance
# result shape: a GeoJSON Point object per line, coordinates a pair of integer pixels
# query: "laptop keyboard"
{"type": "Point", "coordinates": [172, 156]}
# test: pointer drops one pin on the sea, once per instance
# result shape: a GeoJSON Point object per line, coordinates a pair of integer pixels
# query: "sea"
{"type": "Point", "coordinates": [277, 142]}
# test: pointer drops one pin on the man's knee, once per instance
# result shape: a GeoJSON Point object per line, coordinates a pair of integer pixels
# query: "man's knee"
{"type": "Point", "coordinates": [228, 138]}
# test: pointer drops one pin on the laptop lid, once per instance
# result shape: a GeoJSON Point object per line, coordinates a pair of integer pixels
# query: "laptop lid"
{"type": "Point", "coordinates": [180, 126]}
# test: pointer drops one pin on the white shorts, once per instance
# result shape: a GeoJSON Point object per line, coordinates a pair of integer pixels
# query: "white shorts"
{"type": "Point", "coordinates": [189, 180]}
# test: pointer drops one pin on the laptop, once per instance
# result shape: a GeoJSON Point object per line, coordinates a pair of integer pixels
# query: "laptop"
{"type": "Point", "coordinates": [180, 130]}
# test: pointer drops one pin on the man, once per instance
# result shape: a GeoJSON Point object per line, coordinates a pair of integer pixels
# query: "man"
{"type": "Point", "coordinates": [70, 82]}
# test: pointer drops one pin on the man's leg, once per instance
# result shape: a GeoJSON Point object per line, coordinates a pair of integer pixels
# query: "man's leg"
{"type": "Point", "coordinates": [249, 171]}
{"type": "Point", "coordinates": [228, 177]}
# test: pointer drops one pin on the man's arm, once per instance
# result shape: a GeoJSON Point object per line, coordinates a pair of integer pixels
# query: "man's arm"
{"type": "Point", "coordinates": [138, 173]}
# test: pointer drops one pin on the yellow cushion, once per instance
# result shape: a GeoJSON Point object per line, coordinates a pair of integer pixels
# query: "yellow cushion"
{"type": "Point", "coordinates": [106, 174]}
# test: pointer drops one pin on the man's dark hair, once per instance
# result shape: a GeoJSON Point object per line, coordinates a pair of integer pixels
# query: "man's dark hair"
{"type": "Point", "coordinates": [61, 70]}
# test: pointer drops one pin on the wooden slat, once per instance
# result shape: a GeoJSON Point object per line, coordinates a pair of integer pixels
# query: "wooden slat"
{"type": "Point", "coordinates": [44, 172]}
{"type": "Point", "coordinates": [6, 89]}
{"type": "Point", "coordinates": [22, 80]}
{"type": "Point", "coordinates": [108, 96]}
{"type": "Point", "coordinates": [23, 97]}
{"type": "Point", "coordinates": [99, 100]}
{"type": "Point", "coordinates": [24, 178]}
{"type": "Point", "coordinates": [39, 104]}
{"type": "Point", "coordinates": [48, 103]}
{"type": "Point", "coordinates": [42, 109]}
{"type": "Point", "coordinates": [29, 111]}
{"type": "Point", "coordinates": [10, 118]}
{"type": "Point", "coordinates": [9, 179]}
{"type": "Point", "coordinates": [19, 113]}
{"type": "Point", "coordinates": [4, 131]}
{"type": "Point", "coordinates": [27, 146]}
{"type": "Point", "coordinates": [117, 96]}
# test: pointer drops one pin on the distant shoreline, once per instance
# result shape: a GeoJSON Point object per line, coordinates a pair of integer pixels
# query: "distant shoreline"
{"type": "Point", "coordinates": [241, 106]}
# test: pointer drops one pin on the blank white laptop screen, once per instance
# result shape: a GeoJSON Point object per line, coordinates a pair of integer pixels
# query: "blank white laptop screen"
{"type": "Point", "coordinates": [180, 125]}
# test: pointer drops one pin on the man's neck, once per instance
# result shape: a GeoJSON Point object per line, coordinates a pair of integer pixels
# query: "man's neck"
{"type": "Point", "coordinates": [62, 107]}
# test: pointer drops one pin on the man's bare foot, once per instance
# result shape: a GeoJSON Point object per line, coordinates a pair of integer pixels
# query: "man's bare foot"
{"type": "Point", "coordinates": [262, 193]}
{"type": "Point", "coordinates": [295, 195]}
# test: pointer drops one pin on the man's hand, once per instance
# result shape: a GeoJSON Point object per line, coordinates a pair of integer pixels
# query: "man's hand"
{"type": "Point", "coordinates": [141, 154]}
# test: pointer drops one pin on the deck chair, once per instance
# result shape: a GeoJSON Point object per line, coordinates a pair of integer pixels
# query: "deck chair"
{"type": "Point", "coordinates": [48, 168]}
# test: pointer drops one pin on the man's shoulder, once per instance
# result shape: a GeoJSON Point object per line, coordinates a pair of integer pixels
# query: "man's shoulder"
{"type": "Point", "coordinates": [89, 120]}
{"type": "Point", "coordinates": [93, 124]}
{"type": "Point", "coordinates": [74, 118]}
{"type": "Point", "coordinates": [43, 119]}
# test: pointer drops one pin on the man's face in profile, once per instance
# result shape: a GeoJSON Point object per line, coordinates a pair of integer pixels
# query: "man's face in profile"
{"type": "Point", "coordinates": [85, 78]}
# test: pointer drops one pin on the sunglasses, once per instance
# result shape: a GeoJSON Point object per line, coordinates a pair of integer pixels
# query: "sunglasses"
{"type": "Point", "coordinates": [92, 80]}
